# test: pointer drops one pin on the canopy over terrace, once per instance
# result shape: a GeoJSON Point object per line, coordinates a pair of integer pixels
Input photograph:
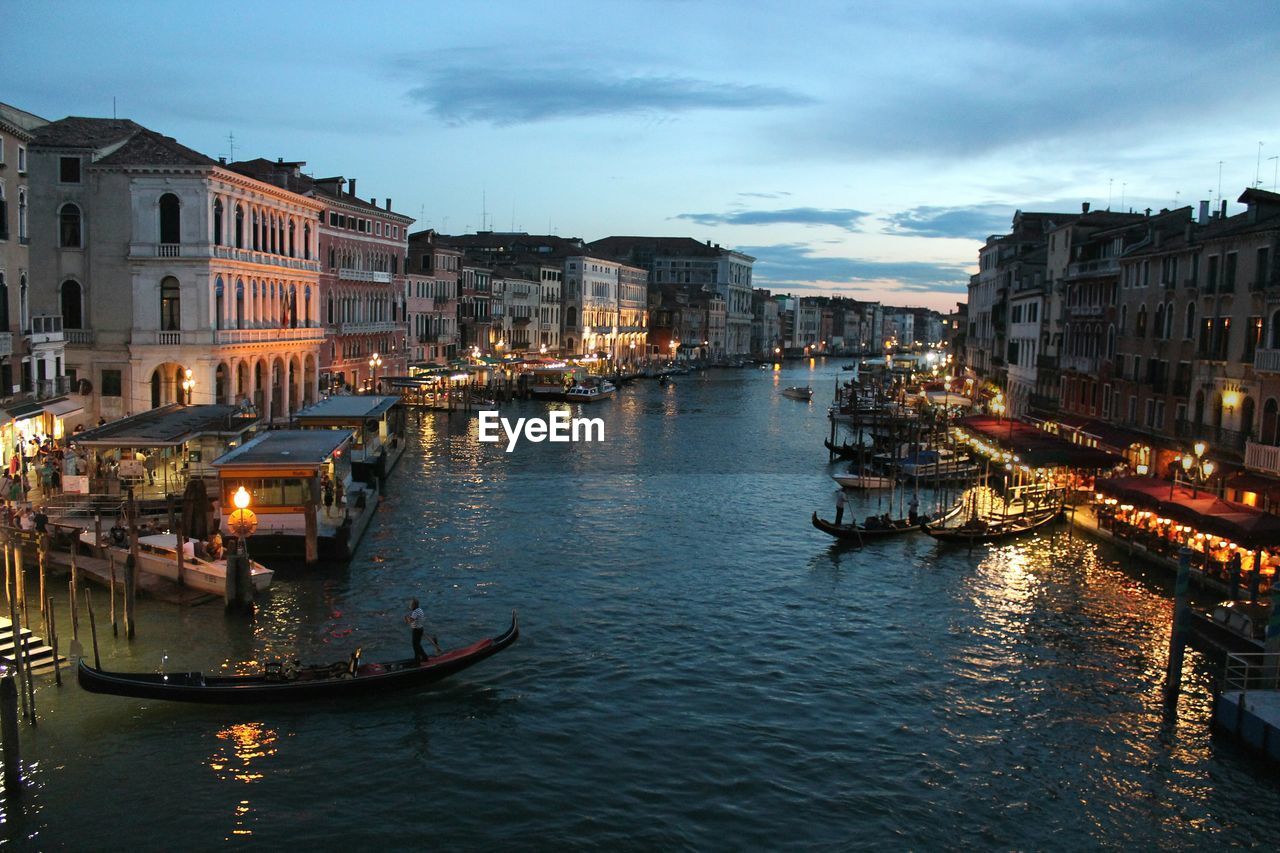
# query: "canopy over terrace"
{"type": "Point", "coordinates": [1035, 447]}
{"type": "Point", "coordinates": [185, 440]}
{"type": "Point", "coordinates": [1202, 511]}
{"type": "Point", "coordinates": [375, 419]}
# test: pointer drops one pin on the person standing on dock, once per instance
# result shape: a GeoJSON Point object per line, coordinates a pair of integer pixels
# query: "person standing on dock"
{"type": "Point", "coordinates": [416, 620]}
{"type": "Point", "coordinates": [840, 499]}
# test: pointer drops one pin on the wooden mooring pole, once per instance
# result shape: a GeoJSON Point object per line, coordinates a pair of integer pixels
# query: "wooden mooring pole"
{"type": "Point", "coordinates": [93, 628]}
{"type": "Point", "coordinates": [1178, 636]}
{"type": "Point", "coordinates": [53, 641]}
{"type": "Point", "coordinates": [15, 629]}
{"type": "Point", "coordinates": [9, 735]}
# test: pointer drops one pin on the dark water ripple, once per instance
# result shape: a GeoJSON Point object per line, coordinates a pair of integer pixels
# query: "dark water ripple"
{"type": "Point", "coordinates": [698, 669]}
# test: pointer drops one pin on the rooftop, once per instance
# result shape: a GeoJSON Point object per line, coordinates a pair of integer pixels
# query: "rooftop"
{"type": "Point", "coordinates": [168, 426]}
{"type": "Point", "coordinates": [83, 132]}
{"type": "Point", "coordinates": [287, 447]}
{"type": "Point", "coordinates": [348, 407]}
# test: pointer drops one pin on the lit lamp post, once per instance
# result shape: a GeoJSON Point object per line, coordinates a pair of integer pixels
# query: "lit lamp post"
{"type": "Point", "coordinates": [674, 346]}
{"type": "Point", "coordinates": [188, 385]}
{"type": "Point", "coordinates": [242, 522]}
{"type": "Point", "coordinates": [374, 364]}
{"type": "Point", "coordinates": [1197, 469]}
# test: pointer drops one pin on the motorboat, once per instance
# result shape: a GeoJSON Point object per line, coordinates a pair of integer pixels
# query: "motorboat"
{"type": "Point", "coordinates": [158, 555]}
{"type": "Point", "coordinates": [798, 393]}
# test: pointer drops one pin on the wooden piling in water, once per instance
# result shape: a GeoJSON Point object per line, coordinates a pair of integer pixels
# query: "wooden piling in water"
{"type": "Point", "coordinates": [42, 553]}
{"type": "Point", "coordinates": [111, 563]}
{"type": "Point", "coordinates": [8, 570]}
{"type": "Point", "coordinates": [9, 735]}
{"type": "Point", "coordinates": [53, 641]}
{"type": "Point", "coordinates": [93, 628]}
{"type": "Point", "coordinates": [31, 685]}
{"type": "Point", "coordinates": [16, 628]}
{"type": "Point", "coordinates": [75, 605]}
{"type": "Point", "coordinates": [20, 584]}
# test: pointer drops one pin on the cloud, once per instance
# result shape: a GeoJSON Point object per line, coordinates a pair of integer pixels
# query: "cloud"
{"type": "Point", "coordinates": [778, 194]}
{"type": "Point", "coordinates": [975, 222]}
{"type": "Point", "coordinates": [795, 265]}
{"type": "Point", "coordinates": [847, 219]}
{"type": "Point", "coordinates": [523, 95]}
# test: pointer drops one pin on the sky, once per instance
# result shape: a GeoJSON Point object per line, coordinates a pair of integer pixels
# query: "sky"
{"type": "Point", "coordinates": [863, 149]}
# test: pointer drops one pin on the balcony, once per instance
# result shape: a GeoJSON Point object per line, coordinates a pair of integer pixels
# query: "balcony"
{"type": "Point", "coordinates": [46, 329]}
{"type": "Point", "coordinates": [46, 388]}
{"type": "Point", "coordinates": [373, 328]}
{"type": "Point", "coordinates": [1101, 266]}
{"type": "Point", "coordinates": [1080, 363]}
{"type": "Point", "coordinates": [1267, 361]}
{"type": "Point", "coordinates": [257, 336]}
{"type": "Point", "coordinates": [1262, 457]}
{"type": "Point", "coordinates": [1229, 440]}
{"type": "Point", "coordinates": [230, 253]}
{"type": "Point", "coordinates": [1084, 310]}
{"type": "Point", "coordinates": [375, 276]}
{"type": "Point", "coordinates": [168, 250]}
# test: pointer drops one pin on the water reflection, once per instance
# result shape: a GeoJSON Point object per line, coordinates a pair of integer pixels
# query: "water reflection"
{"type": "Point", "coordinates": [239, 759]}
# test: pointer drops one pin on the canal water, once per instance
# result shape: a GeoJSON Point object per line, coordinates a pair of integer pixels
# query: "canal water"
{"type": "Point", "coordinates": [698, 668]}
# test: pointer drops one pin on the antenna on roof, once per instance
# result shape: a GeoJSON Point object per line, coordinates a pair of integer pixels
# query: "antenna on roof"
{"type": "Point", "coordinates": [1110, 181]}
{"type": "Point", "coordinates": [113, 107]}
{"type": "Point", "coordinates": [1219, 181]}
{"type": "Point", "coordinates": [231, 142]}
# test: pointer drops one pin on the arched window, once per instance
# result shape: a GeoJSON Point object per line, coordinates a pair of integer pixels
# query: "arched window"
{"type": "Point", "coordinates": [1247, 409]}
{"type": "Point", "coordinates": [24, 316]}
{"type": "Point", "coordinates": [239, 227]}
{"type": "Point", "coordinates": [170, 219]}
{"type": "Point", "coordinates": [330, 321]}
{"type": "Point", "coordinates": [306, 306]}
{"type": "Point", "coordinates": [1140, 326]}
{"type": "Point", "coordinates": [217, 222]}
{"type": "Point", "coordinates": [1275, 330]}
{"type": "Point", "coordinates": [239, 303]}
{"type": "Point", "coordinates": [332, 259]}
{"type": "Point", "coordinates": [1189, 331]}
{"type": "Point", "coordinates": [571, 318]}
{"type": "Point", "coordinates": [1124, 320]}
{"type": "Point", "coordinates": [257, 232]}
{"type": "Point", "coordinates": [1199, 419]}
{"type": "Point", "coordinates": [72, 305]}
{"type": "Point", "coordinates": [291, 254]}
{"type": "Point", "coordinates": [69, 227]}
{"type": "Point", "coordinates": [219, 304]}
{"type": "Point", "coordinates": [306, 241]}
{"type": "Point", "coordinates": [1270, 433]}
{"type": "Point", "coordinates": [1168, 322]}
{"type": "Point", "coordinates": [1111, 342]}
{"type": "Point", "coordinates": [170, 304]}
{"type": "Point", "coordinates": [1159, 327]}
{"type": "Point", "coordinates": [22, 214]}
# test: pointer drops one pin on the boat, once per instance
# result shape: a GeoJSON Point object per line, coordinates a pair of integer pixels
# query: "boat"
{"type": "Point", "coordinates": [1238, 627]}
{"type": "Point", "coordinates": [896, 526]}
{"type": "Point", "coordinates": [863, 480]}
{"type": "Point", "coordinates": [975, 531]}
{"type": "Point", "coordinates": [798, 393]}
{"type": "Point", "coordinates": [848, 450]}
{"type": "Point", "coordinates": [940, 464]}
{"type": "Point", "coordinates": [293, 682]}
{"type": "Point", "coordinates": [158, 555]}
{"type": "Point", "coordinates": [590, 391]}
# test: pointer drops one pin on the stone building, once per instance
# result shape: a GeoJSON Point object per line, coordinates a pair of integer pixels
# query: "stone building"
{"type": "Point", "coordinates": [174, 277]}
{"type": "Point", "coordinates": [432, 298]}
{"type": "Point", "coordinates": [26, 365]}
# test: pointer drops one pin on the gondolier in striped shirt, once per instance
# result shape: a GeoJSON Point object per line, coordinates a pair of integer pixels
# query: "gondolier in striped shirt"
{"type": "Point", "coordinates": [416, 620]}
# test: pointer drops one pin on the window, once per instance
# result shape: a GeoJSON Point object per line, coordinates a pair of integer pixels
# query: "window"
{"type": "Point", "coordinates": [1229, 273]}
{"type": "Point", "coordinates": [110, 383]}
{"type": "Point", "coordinates": [217, 222]}
{"type": "Point", "coordinates": [69, 170]}
{"type": "Point", "coordinates": [1252, 339]}
{"type": "Point", "coordinates": [72, 305]}
{"type": "Point", "coordinates": [4, 216]}
{"type": "Point", "coordinates": [1133, 410]}
{"type": "Point", "coordinates": [22, 214]}
{"type": "Point", "coordinates": [306, 241]}
{"type": "Point", "coordinates": [170, 305]}
{"type": "Point", "coordinates": [1262, 268]}
{"type": "Point", "coordinates": [1211, 278]}
{"type": "Point", "coordinates": [239, 227]}
{"type": "Point", "coordinates": [170, 219]}
{"type": "Point", "coordinates": [1140, 328]}
{"type": "Point", "coordinates": [22, 160]}
{"type": "Point", "coordinates": [1189, 329]}
{"type": "Point", "coordinates": [69, 226]}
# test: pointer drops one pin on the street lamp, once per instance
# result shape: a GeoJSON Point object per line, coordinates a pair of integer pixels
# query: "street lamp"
{"type": "Point", "coordinates": [188, 384]}
{"type": "Point", "coordinates": [239, 575]}
{"type": "Point", "coordinates": [1197, 469]}
{"type": "Point", "coordinates": [374, 364]}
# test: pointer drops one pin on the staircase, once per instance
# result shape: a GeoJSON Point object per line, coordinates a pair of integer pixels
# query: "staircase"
{"type": "Point", "coordinates": [41, 654]}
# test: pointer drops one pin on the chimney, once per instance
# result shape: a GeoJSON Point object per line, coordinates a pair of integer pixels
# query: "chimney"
{"type": "Point", "coordinates": [279, 159]}
{"type": "Point", "coordinates": [388, 204]}
{"type": "Point", "coordinates": [1223, 214]}
{"type": "Point", "coordinates": [373, 201]}
{"type": "Point", "coordinates": [1084, 207]}
{"type": "Point", "coordinates": [351, 186]}
{"type": "Point", "coordinates": [1204, 211]}
{"type": "Point", "coordinates": [222, 161]}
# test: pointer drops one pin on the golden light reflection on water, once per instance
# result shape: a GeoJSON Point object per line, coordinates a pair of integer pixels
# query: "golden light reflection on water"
{"type": "Point", "coordinates": [239, 759]}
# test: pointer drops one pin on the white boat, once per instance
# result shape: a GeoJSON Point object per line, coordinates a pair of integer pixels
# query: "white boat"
{"type": "Point", "coordinates": [590, 391]}
{"type": "Point", "coordinates": [158, 555]}
{"type": "Point", "coordinates": [942, 464]}
{"type": "Point", "coordinates": [798, 393]}
{"type": "Point", "coordinates": [854, 480]}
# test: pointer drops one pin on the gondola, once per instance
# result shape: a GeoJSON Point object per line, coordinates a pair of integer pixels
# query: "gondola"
{"type": "Point", "coordinates": [858, 532]}
{"type": "Point", "coordinates": [290, 683]}
{"type": "Point", "coordinates": [976, 531]}
{"type": "Point", "coordinates": [848, 450]}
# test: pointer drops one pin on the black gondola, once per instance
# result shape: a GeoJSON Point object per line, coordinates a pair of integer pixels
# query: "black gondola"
{"type": "Point", "coordinates": [976, 531]}
{"type": "Point", "coordinates": [895, 527]}
{"type": "Point", "coordinates": [848, 450]}
{"type": "Point", "coordinates": [284, 683]}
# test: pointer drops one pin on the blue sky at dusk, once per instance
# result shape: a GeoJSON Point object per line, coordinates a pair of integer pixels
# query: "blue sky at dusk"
{"type": "Point", "coordinates": [858, 148]}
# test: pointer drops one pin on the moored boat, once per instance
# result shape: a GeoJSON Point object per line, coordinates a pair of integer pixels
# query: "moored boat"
{"type": "Point", "coordinates": [880, 528]}
{"type": "Point", "coordinates": [798, 393]}
{"type": "Point", "coordinates": [158, 555]}
{"type": "Point", "coordinates": [863, 480]}
{"type": "Point", "coordinates": [976, 531]}
{"type": "Point", "coordinates": [291, 682]}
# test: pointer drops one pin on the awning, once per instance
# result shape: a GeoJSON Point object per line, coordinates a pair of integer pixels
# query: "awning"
{"type": "Point", "coordinates": [62, 408]}
{"type": "Point", "coordinates": [1202, 510]}
{"type": "Point", "coordinates": [18, 411]}
{"type": "Point", "coordinates": [1034, 446]}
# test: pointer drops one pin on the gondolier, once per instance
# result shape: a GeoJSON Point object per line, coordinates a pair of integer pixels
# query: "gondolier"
{"type": "Point", "coordinates": [840, 507]}
{"type": "Point", "coordinates": [416, 620]}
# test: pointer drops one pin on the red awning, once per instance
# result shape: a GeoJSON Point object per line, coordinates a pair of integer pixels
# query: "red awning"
{"type": "Point", "coordinates": [1034, 446]}
{"type": "Point", "coordinates": [1203, 511]}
